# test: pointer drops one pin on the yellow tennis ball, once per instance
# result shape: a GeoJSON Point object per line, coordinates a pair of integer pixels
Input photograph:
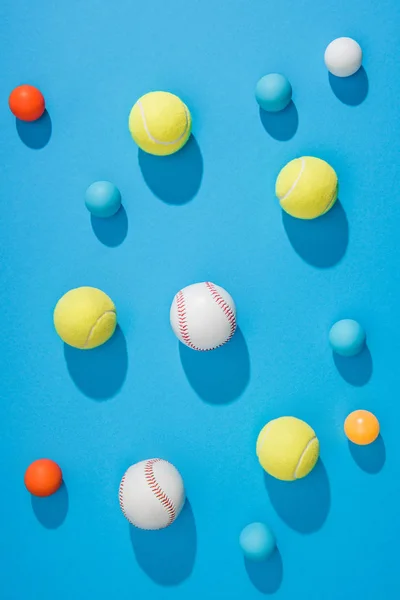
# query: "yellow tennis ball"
{"type": "Point", "coordinates": [85, 318]}
{"type": "Point", "coordinates": [287, 448]}
{"type": "Point", "coordinates": [160, 123]}
{"type": "Point", "coordinates": [307, 187]}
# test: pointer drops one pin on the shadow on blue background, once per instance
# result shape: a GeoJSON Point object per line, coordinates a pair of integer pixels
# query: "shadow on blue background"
{"type": "Point", "coordinates": [356, 370]}
{"type": "Point", "coordinates": [321, 242]}
{"type": "Point", "coordinates": [175, 179]}
{"type": "Point", "coordinates": [302, 504]}
{"type": "Point", "coordinates": [35, 134]}
{"type": "Point", "coordinates": [52, 510]}
{"type": "Point", "coordinates": [111, 231]}
{"type": "Point", "coordinates": [219, 376]}
{"type": "Point", "coordinates": [99, 373]}
{"type": "Point", "coordinates": [167, 556]}
{"type": "Point", "coordinates": [266, 575]}
{"type": "Point", "coordinates": [370, 458]}
{"type": "Point", "coordinates": [350, 90]}
{"type": "Point", "coordinates": [281, 125]}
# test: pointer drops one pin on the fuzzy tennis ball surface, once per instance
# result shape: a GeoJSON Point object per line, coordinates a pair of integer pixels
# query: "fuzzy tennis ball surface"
{"type": "Point", "coordinates": [307, 187]}
{"type": "Point", "coordinates": [287, 448]}
{"type": "Point", "coordinates": [160, 123]}
{"type": "Point", "coordinates": [85, 318]}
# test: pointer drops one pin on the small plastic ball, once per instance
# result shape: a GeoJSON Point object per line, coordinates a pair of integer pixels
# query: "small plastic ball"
{"type": "Point", "coordinates": [343, 57]}
{"type": "Point", "coordinates": [347, 337]}
{"type": "Point", "coordinates": [361, 427]}
{"type": "Point", "coordinates": [257, 541]}
{"type": "Point", "coordinates": [273, 92]}
{"type": "Point", "coordinates": [103, 199]}
{"type": "Point", "coordinates": [26, 103]}
{"type": "Point", "coordinates": [43, 477]}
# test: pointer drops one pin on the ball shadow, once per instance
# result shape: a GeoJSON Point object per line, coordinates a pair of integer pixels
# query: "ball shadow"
{"type": "Point", "coordinates": [99, 373]}
{"type": "Point", "coordinates": [167, 556]}
{"type": "Point", "coordinates": [175, 179]}
{"type": "Point", "coordinates": [281, 125]}
{"type": "Point", "coordinates": [350, 90]}
{"type": "Point", "coordinates": [111, 231]}
{"type": "Point", "coordinates": [320, 242]}
{"type": "Point", "coordinates": [266, 575]}
{"type": "Point", "coordinates": [356, 370]}
{"type": "Point", "coordinates": [35, 134]}
{"type": "Point", "coordinates": [52, 510]}
{"type": "Point", "coordinates": [302, 504]}
{"type": "Point", "coordinates": [370, 458]}
{"type": "Point", "coordinates": [219, 376]}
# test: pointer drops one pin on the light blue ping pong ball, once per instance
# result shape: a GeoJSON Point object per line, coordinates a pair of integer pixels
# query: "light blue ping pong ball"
{"type": "Point", "coordinates": [347, 337]}
{"type": "Point", "coordinates": [257, 541]}
{"type": "Point", "coordinates": [103, 199]}
{"type": "Point", "coordinates": [273, 92]}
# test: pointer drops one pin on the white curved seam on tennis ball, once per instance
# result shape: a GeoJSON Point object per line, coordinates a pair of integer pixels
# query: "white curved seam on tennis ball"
{"type": "Point", "coordinates": [296, 181]}
{"type": "Point", "coordinates": [107, 312]}
{"type": "Point", "coordinates": [330, 203]}
{"type": "Point", "coordinates": [265, 429]}
{"type": "Point", "coordinates": [155, 140]}
{"type": "Point", "coordinates": [302, 455]}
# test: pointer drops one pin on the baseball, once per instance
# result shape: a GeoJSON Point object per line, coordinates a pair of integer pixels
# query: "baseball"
{"type": "Point", "coordinates": [151, 494]}
{"type": "Point", "coordinates": [203, 316]}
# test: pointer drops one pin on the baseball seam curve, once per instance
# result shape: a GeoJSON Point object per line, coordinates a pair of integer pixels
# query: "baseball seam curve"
{"type": "Point", "coordinates": [157, 489]}
{"type": "Point", "coordinates": [182, 321]}
{"type": "Point", "coordinates": [230, 315]}
{"type": "Point", "coordinates": [121, 497]}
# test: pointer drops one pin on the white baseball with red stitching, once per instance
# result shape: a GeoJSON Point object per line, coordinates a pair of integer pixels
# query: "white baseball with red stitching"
{"type": "Point", "coordinates": [151, 494]}
{"type": "Point", "coordinates": [203, 316]}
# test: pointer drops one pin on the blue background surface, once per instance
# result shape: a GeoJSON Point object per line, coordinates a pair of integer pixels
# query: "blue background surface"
{"type": "Point", "coordinates": [207, 213]}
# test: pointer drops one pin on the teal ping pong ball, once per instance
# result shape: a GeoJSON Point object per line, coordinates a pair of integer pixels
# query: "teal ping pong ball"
{"type": "Point", "coordinates": [103, 199]}
{"type": "Point", "coordinates": [273, 92]}
{"type": "Point", "coordinates": [347, 337]}
{"type": "Point", "coordinates": [257, 542]}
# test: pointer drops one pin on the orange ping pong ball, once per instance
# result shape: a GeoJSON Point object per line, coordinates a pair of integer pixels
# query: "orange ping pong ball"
{"type": "Point", "coordinates": [26, 103]}
{"type": "Point", "coordinates": [361, 427]}
{"type": "Point", "coordinates": [43, 477]}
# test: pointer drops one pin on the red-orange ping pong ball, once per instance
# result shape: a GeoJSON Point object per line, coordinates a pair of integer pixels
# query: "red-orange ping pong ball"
{"type": "Point", "coordinates": [361, 427]}
{"type": "Point", "coordinates": [26, 103]}
{"type": "Point", "coordinates": [43, 477]}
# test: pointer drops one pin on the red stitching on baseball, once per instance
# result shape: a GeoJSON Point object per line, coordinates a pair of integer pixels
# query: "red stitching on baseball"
{"type": "Point", "coordinates": [121, 496]}
{"type": "Point", "coordinates": [230, 315]}
{"type": "Point", "coordinates": [183, 326]}
{"type": "Point", "coordinates": [157, 490]}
